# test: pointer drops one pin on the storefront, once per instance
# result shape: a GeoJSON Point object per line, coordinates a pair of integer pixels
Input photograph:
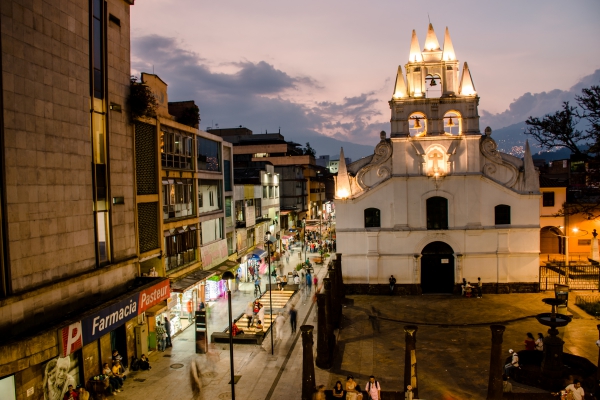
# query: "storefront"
{"type": "Point", "coordinates": [186, 297]}
{"type": "Point", "coordinates": [84, 345]}
{"type": "Point", "coordinates": [258, 260]}
{"type": "Point", "coordinates": [215, 287]}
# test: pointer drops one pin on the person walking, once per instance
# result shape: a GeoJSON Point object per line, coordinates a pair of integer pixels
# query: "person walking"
{"type": "Point", "coordinates": [257, 285]}
{"type": "Point", "coordinates": [293, 315]}
{"type": "Point", "coordinates": [309, 281]}
{"type": "Point", "coordinates": [161, 335]}
{"type": "Point", "coordinates": [392, 284]}
{"type": "Point", "coordinates": [249, 314]}
{"type": "Point", "coordinates": [479, 289]}
{"type": "Point", "coordinates": [279, 323]}
{"type": "Point", "coordinates": [373, 389]}
{"type": "Point", "coordinates": [316, 282]}
{"type": "Point", "coordinates": [168, 332]}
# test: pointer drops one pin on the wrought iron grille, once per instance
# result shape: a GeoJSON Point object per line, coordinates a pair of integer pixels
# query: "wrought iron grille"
{"type": "Point", "coordinates": [148, 226]}
{"type": "Point", "coordinates": [577, 277]}
{"type": "Point", "coordinates": [145, 158]}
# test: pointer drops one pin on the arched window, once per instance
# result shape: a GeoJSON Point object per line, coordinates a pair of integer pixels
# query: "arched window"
{"type": "Point", "coordinates": [437, 213]}
{"type": "Point", "coordinates": [452, 123]}
{"type": "Point", "coordinates": [417, 124]}
{"type": "Point", "coordinates": [372, 218]}
{"type": "Point", "coordinates": [433, 86]}
{"type": "Point", "coordinates": [502, 214]}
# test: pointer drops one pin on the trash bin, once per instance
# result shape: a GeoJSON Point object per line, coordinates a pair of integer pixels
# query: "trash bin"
{"type": "Point", "coordinates": [562, 292]}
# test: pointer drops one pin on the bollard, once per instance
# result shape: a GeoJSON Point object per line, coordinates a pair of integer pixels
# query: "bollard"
{"type": "Point", "coordinates": [495, 379]}
{"type": "Point", "coordinates": [410, 359]}
{"type": "Point", "coordinates": [308, 366]}
{"type": "Point", "coordinates": [322, 337]}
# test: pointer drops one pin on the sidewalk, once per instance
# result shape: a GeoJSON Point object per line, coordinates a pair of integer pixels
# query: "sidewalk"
{"type": "Point", "coordinates": [260, 372]}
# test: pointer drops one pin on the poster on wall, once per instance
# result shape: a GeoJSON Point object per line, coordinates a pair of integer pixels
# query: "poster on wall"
{"type": "Point", "coordinates": [59, 373]}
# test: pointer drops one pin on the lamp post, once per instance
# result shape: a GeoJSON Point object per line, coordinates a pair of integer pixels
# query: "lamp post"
{"type": "Point", "coordinates": [228, 277]}
{"type": "Point", "coordinates": [269, 243]}
{"type": "Point", "coordinates": [304, 238]}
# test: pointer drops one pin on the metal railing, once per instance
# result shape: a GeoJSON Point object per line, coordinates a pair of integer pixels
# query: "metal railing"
{"type": "Point", "coordinates": [576, 276]}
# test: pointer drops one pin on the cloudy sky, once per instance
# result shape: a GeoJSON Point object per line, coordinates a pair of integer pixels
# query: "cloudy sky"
{"type": "Point", "coordinates": [328, 66]}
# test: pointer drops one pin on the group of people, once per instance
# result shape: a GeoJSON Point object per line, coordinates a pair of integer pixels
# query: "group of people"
{"type": "Point", "coordinates": [116, 375]}
{"type": "Point", "coordinates": [163, 335]}
{"type": "Point", "coordinates": [467, 290]}
{"type": "Point", "coordinates": [76, 393]}
{"type": "Point", "coordinates": [352, 390]}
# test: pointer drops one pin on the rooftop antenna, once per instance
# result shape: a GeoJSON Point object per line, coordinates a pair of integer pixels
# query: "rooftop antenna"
{"type": "Point", "coordinates": [428, 18]}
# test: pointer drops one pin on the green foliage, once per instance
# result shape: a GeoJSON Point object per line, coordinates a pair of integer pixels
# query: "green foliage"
{"type": "Point", "coordinates": [299, 266]}
{"type": "Point", "coordinates": [190, 116]}
{"type": "Point", "coordinates": [308, 150]}
{"type": "Point", "coordinates": [591, 308]}
{"type": "Point", "coordinates": [141, 102]}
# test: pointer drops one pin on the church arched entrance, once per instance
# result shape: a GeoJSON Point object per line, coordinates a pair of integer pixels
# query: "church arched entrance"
{"type": "Point", "coordinates": [437, 268]}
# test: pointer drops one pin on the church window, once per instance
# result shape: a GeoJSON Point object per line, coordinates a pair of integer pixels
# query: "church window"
{"type": "Point", "coordinates": [433, 86]}
{"type": "Point", "coordinates": [452, 123]}
{"type": "Point", "coordinates": [437, 213]}
{"type": "Point", "coordinates": [417, 124]}
{"type": "Point", "coordinates": [502, 214]}
{"type": "Point", "coordinates": [372, 218]}
{"type": "Point", "coordinates": [548, 199]}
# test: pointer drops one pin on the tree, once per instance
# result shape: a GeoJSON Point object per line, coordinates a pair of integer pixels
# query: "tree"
{"type": "Point", "coordinates": [309, 151]}
{"type": "Point", "coordinates": [141, 101]}
{"type": "Point", "coordinates": [562, 129]}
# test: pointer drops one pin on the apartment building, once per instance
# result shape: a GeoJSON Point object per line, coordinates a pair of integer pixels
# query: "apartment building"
{"type": "Point", "coordinates": [70, 290]}
{"type": "Point", "coordinates": [184, 187]}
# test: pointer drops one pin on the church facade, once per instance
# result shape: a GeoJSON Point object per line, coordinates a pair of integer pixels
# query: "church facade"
{"type": "Point", "coordinates": [437, 202]}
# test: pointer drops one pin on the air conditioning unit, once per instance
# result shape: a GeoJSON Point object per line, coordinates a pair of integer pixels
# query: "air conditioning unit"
{"type": "Point", "coordinates": [141, 340]}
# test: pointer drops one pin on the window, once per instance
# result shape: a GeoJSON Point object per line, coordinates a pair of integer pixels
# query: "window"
{"type": "Point", "coordinates": [437, 213]}
{"type": "Point", "coordinates": [227, 175]}
{"type": "Point", "coordinates": [265, 190]}
{"type": "Point", "coordinates": [240, 212]}
{"type": "Point", "coordinates": [175, 149]}
{"type": "Point", "coordinates": [177, 198]}
{"type": "Point", "coordinates": [548, 199]}
{"type": "Point", "coordinates": [228, 212]}
{"type": "Point", "coordinates": [212, 230]}
{"type": "Point", "coordinates": [372, 218]}
{"type": "Point", "coordinates": [276, 192]}
{"type": "Point", "coordinates": [230, 244]}
{"type": "Point", "coordinates": [270, 192]}
{"type": "Point", "coordinates": [257, 208]}
{"type": "Point", "coordinates": [180, 246]}
{"type": "Point", "coordinates": [211, 190]}
{"type": "Point", "coordinates": [502, 214]}
{"type": "Point", "coordinates": [209, 157]}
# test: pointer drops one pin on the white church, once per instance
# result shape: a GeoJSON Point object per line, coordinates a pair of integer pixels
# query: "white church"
{"type": "Point", "coordinates": [437, 202]}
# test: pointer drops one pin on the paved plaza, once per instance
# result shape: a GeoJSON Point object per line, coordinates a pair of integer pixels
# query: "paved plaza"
{"type": "Point", "coordinates": [453, 348]}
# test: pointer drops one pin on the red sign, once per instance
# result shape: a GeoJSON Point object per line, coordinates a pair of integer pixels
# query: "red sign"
{"type": "Point", "coordinates": [154, 295]}
{"type": "Point", "coordinates": [70, 339]}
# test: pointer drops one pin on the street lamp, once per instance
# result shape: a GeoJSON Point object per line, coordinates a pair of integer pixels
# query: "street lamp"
{"type": "Point", "coordinates": [228, 277]}
{"type": "Point", "coordinates": [304, 238]}
{"type": "Point", "coordinates": [269, 243]}
{"type": "Point", "coordinates": [575, 231]}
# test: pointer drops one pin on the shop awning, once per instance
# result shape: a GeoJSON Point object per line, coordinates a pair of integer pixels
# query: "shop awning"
{"type": "Point", "coordinates": [157, 309]}
{"type": "Point", "coordinates": [226, 265]}
{"type": "Point", "coordinates": [286, 237]}
{"type": "Point", "coordinates": [258, 253]}
{"type": "Point", "coordinates": [189, 280]}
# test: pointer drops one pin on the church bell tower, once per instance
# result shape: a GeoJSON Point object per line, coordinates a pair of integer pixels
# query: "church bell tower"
{"type": "Point", "coordinates": [433, 101]}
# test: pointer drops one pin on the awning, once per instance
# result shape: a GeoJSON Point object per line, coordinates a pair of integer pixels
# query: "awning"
{"type": "Point", "coordinates": [286, 237]}
{"type": "Point", "coordinates": [189, 280]}
{"type": "Point", "coordinates": [258, 253]}
{"type": "Point", "coordinates": [157, 309]}
{"type": "Point", "coordinates": [226, 265]}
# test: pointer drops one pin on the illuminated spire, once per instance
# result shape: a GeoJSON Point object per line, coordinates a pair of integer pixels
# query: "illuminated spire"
{"type": "Point", "coordinates": [415, 51]}
{"type": "Point", "coordinates": [342, 181]}
{"type": "Point", "coordinates": [532, 179]}
{"type": "Point", "coordinates": [431, 41]}
{"type": "Point", "coordinates": [400, 88]}
{"type": "Point", "coordinates": [466, 87]}
{"type": "Point", "coordinates": [448, 54]}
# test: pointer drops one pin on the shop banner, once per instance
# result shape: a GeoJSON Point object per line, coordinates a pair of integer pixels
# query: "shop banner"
{"type": "Point", "coordinates": [109, 318]}
{"type": "Point", "coordinates": [157, 293]}
{"type": "Point", "coordinates": [213, 254]}
{"type": "Point", "coordinates": [69, 339]}
{"type": "Point", "coordinates": [250, 216]}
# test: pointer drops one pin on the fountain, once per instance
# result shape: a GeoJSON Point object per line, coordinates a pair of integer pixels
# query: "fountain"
{"type": "Point", "coordinates": [552, 369]}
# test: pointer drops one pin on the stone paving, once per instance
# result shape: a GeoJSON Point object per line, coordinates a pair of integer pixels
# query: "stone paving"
{"type": "Point", "coordinates": [452, 354]}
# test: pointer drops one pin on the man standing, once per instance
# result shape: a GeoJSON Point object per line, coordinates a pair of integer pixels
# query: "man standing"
{"type": "Point", "coordinates": [168, 332]}
{"type": "Point", "coordinates": [373, 389]}
{"type": "Point", "coordinates": [293, 315]}
{"type": "Point", "coordinates": [392, 284]}
{"type": "Point", "coordinates": [479, 288]}
{"type": "Point", "coordinates": [257, 285]}
{"type": "Point", "coordinates": [576, 390]}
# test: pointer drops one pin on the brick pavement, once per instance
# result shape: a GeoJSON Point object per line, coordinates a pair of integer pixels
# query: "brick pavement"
{"type": "Point", "coordinates": [453, 360]}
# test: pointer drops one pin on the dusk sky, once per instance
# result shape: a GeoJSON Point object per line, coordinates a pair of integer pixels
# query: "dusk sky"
{"type": "Point", "coordinates": [329, 66]}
